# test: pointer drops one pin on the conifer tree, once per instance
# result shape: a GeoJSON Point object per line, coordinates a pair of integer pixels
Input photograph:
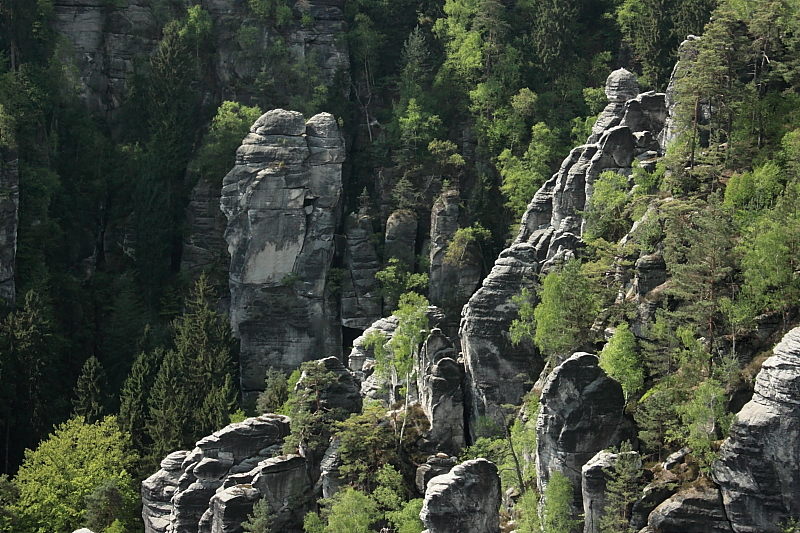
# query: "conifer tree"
{"type": "Point", "coordinates": [169, 423]}
{"type": "Point", "coordinates": [622, 489]}
{"type": "Point", "coordinates": [134, 399]}
{"type": "Point", "coordinates": [90, 392]}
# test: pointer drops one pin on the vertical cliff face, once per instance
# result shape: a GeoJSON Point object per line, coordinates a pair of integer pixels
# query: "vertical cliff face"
{"type": "Point", "coordinates": [759, 464]}
{"type": "Point", "coordinates": [9, 220]}
{"type": "Point", "coordinates": [282, 204]}
{"type": "Point", "coordinates": [108, 37]}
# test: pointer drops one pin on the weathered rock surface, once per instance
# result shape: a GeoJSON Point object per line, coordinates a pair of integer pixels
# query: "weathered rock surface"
{"type": "Point", "coordinates": [465, 500]}
{"type": "Point", "coordinates": [344, 393]}
{"type": "Point", "coordinates": [204, 246]}
{"type": "Point", "coordinates": [329, 478]}
{"type": "Point", "coordinates": [497, 370]}
{"type": "Point", "coordinates": [759, 464]}
{"type": "Point", "coordinates": [451, 284]}
{"type": "Point", "coordinates": [687, 54]}
{"type": "Point", "coordinates": [581, 413]}
{"type": "Point", "coordinates": [435, 465]}
{"type": "Point", "coordinates": [107, 38]}
{"type": "Point", "coordinates": [594, 478]}
{"type": "Point", "coordinates": [401, 237]}
{"type": "Point", "coordinates": [9, 221]}
{"type": "Point", "coordinates": [439, 382]}
{"type": "Point", "coordinates": [696, 510]}
{"type": "Point", "coordinates": [282, 204]}
{"type": "Point", "coordinates": [178, 497]}
{"type": "Point", "coordinates": [361, 301]}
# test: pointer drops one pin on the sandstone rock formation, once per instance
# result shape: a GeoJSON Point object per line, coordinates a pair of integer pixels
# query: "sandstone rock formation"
{"type": "Point", "coordinates": [441, 392]}
{"type": "Point", "coordinates": [581, 413]}
{"type": "Point", "coordinates": [107, 37]}
{"type": "Point", "coordinates": [401, 237]}
{"type": "Point", "coordinates": [451, 284]}
{"type": "Point", "coordinates": [344, 393]}
{"type": "Point", "coordinates": [594, 478]}
{"type": "Point", "coordinates": [282, 203]}
{"type": "Point", "coordinates": [361, 301]}
{"type": "Point", "coordinates": [497, 370]}
{"type": "Point", "coordinates": [466, 500]}
{"type": "Point", "coordinates": [9, 221]}
{"type": "Point", "coordinates": [435, 465]}
{"type": "Point", "coordinates": [204, 246]}
{"type": "Point", "coordinates": [696, 510]}
{"type": "Point", "coordinates": [178, 498]}
{"type": "Point", "coordinates": [759, 464]}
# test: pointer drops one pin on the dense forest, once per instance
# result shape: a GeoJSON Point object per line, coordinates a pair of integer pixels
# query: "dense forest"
{"type": "Point", "coordinates": [110, 343]}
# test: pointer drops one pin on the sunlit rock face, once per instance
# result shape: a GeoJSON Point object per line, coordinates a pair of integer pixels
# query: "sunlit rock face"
{"type": "Point", "coordinates": [282, 201]}
{"type": "Point", "coordinates": [759, 464]}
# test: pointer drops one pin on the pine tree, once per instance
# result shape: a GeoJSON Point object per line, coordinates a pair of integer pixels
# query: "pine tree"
{"type": "Point", "coordinates": [90, 392]}
{"type": "Point", "coordinates": [275, 392]}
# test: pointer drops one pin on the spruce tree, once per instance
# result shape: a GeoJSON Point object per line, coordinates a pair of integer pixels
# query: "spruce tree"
{"type": "Point", "coordinates": [622, 489]}
{"type": "Point", "coordinates": [90, 397]}
{"type": "Point", "coordinates": [135, 396]}
{"type": "Point", "coordinates": [170, 421]}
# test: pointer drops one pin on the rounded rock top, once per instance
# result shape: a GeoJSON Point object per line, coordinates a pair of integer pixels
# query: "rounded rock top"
{"type": "Point", "coordinates": [621, 86]}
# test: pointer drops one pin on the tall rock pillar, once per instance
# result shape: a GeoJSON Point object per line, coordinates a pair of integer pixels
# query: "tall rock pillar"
{"type": "Point", "coordinates": [282, 200]}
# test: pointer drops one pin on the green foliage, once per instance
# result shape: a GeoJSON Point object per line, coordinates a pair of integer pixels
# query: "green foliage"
{"type": "Point", "coordinates": [528, 507]}
{"type": "Point", "coordinates": [522, 177]}
{"type": "Point", "coordinates": [622, 490]}
{"type": "Point", "coordinates": [755, 190]}
{"type": "Point", "coordinates": [705, 420]}
{"type": "Point", "coordinates": [90, 392]}
{"type": "Point", "coordinates": [620, 360]}
{"type": "Point", "coordinates": [277, 11]}
{"type": "Point", "coordinates": [462, 240]}
{"type": "Point", "coordinates": [562, 320]}
{"type": "Point", "coordinates": [607, 215]}
{"type": "Point", "coordinates": [395, 280]}
{"type": "Point", "coordinates": [260, 520]}
{"type": "Point", "coordinates": [656, 416]}
{"type": "Point", "coordinates": [406, 518]}
{"type": "Point", "coordinates": [107, 508]}
{"type": "Point", "coordinates": [52, 494]}
{"type": "Point", "coordinates": [389, 493]}
{"type": "Point", "coordinates": [312, 418]}
{"type": "Point", "coordinates": [276, 392]}
{"type": "Point", "coordinates": [351, 511]}
{"type": "Point", "coordinates": [556, 514]}
{"type": "Point", "coordinates": [366, 446]}
{"type": "Point", "coordinates": [218, 152]}
{"type": "Point", "coordinates": [134, 399]}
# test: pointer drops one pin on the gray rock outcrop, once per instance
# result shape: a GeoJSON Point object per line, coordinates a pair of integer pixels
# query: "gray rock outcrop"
{"type": "Point", "coordinates": [441, 393]}
{"type": "Point", "coordinates": [344, 393]}
{"type": "Point", "coordinates": [759, 464]}
{"type": "Point", "coordinates": [435, 465]}
{"type": "Point", "coordinates": [466, 500]}
{"type": "Point", "coordinates": [594, 479]}
{"type": "Point", "coordinates": [401, 237]}
{"type": "Point", "coordinates": [282, 204]}
{"type": "Point", "coordinates": [204, 248]}
{"type": "Point", "coordinates": [329, 478]}
{"type": "Point", "coordinates": [581, 413]}
{"type": "Point", "coordinates": [361, 300]}
{"type": "Point", "coordinates": [696, 510]}
{"type": "Point", "coordinates": [178, 498]}
{"type": "Point", "coordinates": [497, 370]}
{"type": "Point", "coordinates": [451, 283]}
{"type": "Point", "coordinates": [9, 222]}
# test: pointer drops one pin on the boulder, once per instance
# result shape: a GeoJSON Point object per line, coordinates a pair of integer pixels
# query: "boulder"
{"type": "Point", "coordinates": [9, 221]}
{"type": "Point", "coordinates": [758, 469]}
{"type": "Point", "coordinates": [621, 86]}
{"type": "Point", "coordinates": [497, 370]}
{"type": "Point", "coordinates": [581, 413]}
{"type": "Point", "coordinates": [696, 510]}
{"type": "Point", "coordinates": [344, 393]}
{"type": "Point", "coordinates": [282, 204]}
{"type": "Point", "coordinates": [435, 465]}
{"type": "Point", "coordinates": [465, 500]}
